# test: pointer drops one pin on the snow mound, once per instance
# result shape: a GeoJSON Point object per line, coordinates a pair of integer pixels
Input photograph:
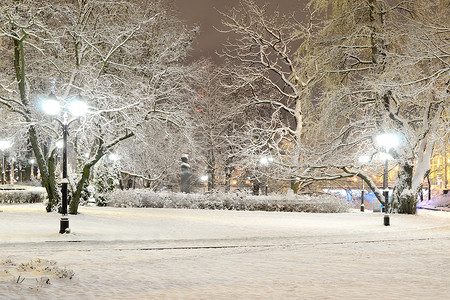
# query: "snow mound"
{"type": "Point", "coordinates": [441, 202]}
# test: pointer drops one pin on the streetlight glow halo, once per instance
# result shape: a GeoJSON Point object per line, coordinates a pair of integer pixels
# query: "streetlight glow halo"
{"type": "Point", "coordinates": [77, 108]}
{"type": "Point", "coordinates": [113, 157]}
{"type": "Point", "coordinates": [51, 107]}
{"type": "Point", "coordinates": [385, 156]}
{"type": "Point", "coordinates": [59, 144]}
{"type": "Point", "coordinates": [266, 160]}
{"type": "Point", "coordinates": [387, 140]}
{"type": "Point", "coordinates": [5, 145]}
{"type": "Point", "coordinates": [364, 159]}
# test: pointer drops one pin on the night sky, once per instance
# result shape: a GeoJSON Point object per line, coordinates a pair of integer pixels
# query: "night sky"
{"type": "Point", "coordinates": [204, 14]}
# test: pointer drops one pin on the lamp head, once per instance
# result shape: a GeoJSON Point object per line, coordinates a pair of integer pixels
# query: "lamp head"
{"type": "Point", "coordinates": [51, 105]}
{"type": "Point", "coordinates": [387, 140]}
{"type": "Point", "coordinates": [113, 157]}
{"type": "Point", "coordinates": [364, 159]}
{"type": "Point", "coordinates": [5, 145]}
{"type": "Point", "coordinates": [265, 161]}
{"type": "Point", "coordinates": [77, 107]}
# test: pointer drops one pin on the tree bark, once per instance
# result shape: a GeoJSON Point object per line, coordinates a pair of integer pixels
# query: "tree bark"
{"type": "Point", "coordinates": [404, 196]}
{"type": "Point", "coordinates": [76, 195]}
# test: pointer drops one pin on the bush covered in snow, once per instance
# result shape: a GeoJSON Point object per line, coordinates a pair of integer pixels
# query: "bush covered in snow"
{"type": "Point", "coordinates": [21, 196]}
{"type": "Point", "coordinates": [323, 203]}
{"type": "Point", "coordinates": [440, 202]}
{"type": "Point", "coordinates": [34, 274]}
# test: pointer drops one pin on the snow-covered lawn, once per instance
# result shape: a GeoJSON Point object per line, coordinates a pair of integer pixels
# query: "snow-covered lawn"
{"type": "Point", "coordinates": [144, 253]}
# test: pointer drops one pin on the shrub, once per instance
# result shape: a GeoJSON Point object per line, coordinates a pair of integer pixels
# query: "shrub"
{"type": "Point", "coordinates": [21, 196]}
{"type": "Point", "coordinates": [324, 203]}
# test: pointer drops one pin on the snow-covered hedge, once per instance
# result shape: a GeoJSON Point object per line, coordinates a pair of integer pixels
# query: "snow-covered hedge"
{"type": "Point", "coordinates": [323, 203]}
{"type": "Point", "coordinates": [437, 202]}
{"type": "Point", "coordinates": [21, 196]}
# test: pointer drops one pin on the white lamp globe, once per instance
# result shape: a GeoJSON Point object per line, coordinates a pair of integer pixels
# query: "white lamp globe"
{"type": "Point", "coordinates": [51, 106]}
{"type": "Point", "coordinates": [77, 108]}
{"type": "Point", "coordinates": [387, 140]}
{"type": "Point", "coordinates": [5, 145]}
{"type": "Point", "coordinates": [364, 159]}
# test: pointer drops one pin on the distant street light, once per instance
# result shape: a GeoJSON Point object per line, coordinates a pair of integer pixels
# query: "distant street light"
{"type": "Point", "coordinates": [59, 144]}
{"type": "Point", "coordinates": [266, 161]}
{"type": "Point", "coordinates": [3, 146]}
{"type": "Point", "coordinates": [387, 141]}
{"type": "Point", "coordinates": [31, 168]}
{"type": "Point", "coordinates": [363, 160]}
{"type": "Point", "coordinates": [204, 179]}
{"type": "Point", "coordinates": [11, 173]}
{"type": "Point", "coordinates": [113, 157]}
{"type": "Point", "coordinates": [76, 108]}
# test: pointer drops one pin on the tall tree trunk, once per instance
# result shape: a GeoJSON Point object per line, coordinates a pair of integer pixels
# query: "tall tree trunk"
{"type": "Point", "coordinates": [211, 170]}
{"type": "Point", "coordinates": [47, 169]}
{"type": "Point", "coordinates": [101, 150]}
{"type": "Point", "coordinates": [410, 178]}
{"type": "Point", "coordinates": [228, 172]}
{"type": "Point", "coordinates": [54, 199]}
{"type": "Point", "coordinates": [404, 196]}
{"type": "Point", "coordinates": [76, 195]}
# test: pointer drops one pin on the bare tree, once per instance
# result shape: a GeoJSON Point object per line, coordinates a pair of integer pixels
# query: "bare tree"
{"type": "Point", "coordinates": [264, 47]}
{"type": "Point", "coordinates": [215, 115]}
{"type": "Point", "coordinates": [368, 67]}
{"type": "Point", "coordinates": [387, 71]}
{"type": "Point", "coordinates": [127, 65]}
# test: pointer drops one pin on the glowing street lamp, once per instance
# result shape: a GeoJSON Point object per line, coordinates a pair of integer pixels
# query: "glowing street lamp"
{"type": "Point", "coordinates": [204, 179]}
{"type": "Point", "coordinates": [59, 144]}
{"type": "Point", "coordinates": [266, 161]}
{"type": "Point", "coordinates": [386, 141]}
{"type": "Point", "coordinates": [3, 146]}
{"type": "Point", "coordinates": [76, 108]}
{"type": "Point", "coordinates": [113, 157]}
{"type": "Point", "coordinates": [11, 173]}
{"type": "Point", "coordinates": [31, 161]}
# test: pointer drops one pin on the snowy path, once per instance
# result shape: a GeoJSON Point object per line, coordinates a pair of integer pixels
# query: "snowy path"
{"type": "Point", "coordinates": [197, 254]}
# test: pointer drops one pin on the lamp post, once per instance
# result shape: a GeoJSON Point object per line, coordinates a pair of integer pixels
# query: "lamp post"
{"type": "Point", "coordinates": [266, 161]}
{"type": "Point", "coordinates": [3, 146]}
{"type": "Point", "coordinates": [77, 108]}
{"type": "Point", "coordinates": [31, 168]}
{"type": "Point", "coordinates": [364, 160]}
{"type": "Point", "coordinates": [387, 141]}
{"type": "Point", "coordinates": [11, 173]}
{"type": "Point", "coordinates": [204, 179]}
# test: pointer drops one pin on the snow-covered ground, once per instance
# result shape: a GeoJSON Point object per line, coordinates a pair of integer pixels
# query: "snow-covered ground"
{"type": "Point", "coordinates": [145, 253]}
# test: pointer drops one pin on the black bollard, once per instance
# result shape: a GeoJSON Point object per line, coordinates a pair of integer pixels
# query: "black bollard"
{"type": "Point", "coordinates": [64, 225]}
{"type": "Point", "coordinates": [362, 200]}
{"type": "Point", "coordinates": [386, 220]}
{"type": "Point", "coordinates": [386, 208]}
